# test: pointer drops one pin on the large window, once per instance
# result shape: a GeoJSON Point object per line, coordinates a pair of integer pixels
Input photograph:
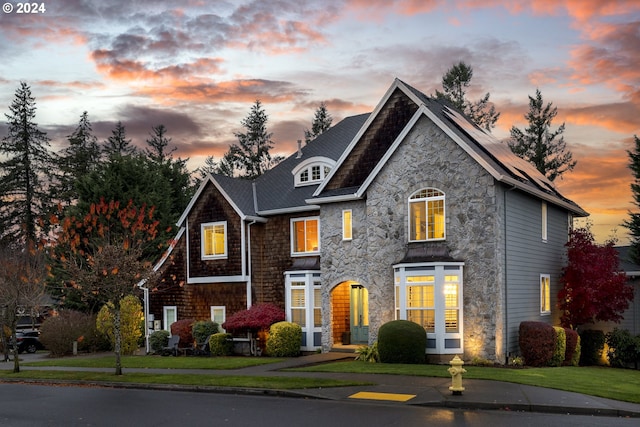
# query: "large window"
{"type": "Point", "coordinates": [214, 240]}
{"type": "Point", "coordinates": [303, 305]}
{"type": "Point", "coordinates": [545, 294]}
{"type": "Point", "coordinates": [426, 215]}
{"type": "Point", "coordinates": [431, 296]}
{"type": "Point", "coordinates": [305, 236]}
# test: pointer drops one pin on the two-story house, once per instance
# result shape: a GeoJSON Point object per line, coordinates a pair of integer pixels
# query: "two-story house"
{"type": "Point", "coordinates": [409, 212]}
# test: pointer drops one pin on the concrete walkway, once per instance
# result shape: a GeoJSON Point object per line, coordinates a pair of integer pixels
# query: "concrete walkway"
{"type": "Point", "coordinates": [399, 389]}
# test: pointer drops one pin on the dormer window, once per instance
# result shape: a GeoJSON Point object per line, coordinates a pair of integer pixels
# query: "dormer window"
{"type": "Point", "coordinates": [312, 171]}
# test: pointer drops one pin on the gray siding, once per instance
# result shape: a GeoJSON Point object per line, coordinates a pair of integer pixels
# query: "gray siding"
{"type": "Point", "coordinates": [527, 256]}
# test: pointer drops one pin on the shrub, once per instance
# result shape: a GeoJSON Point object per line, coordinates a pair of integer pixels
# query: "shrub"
{"type": "Point", "coordinates": [57, 333]}
{"type": "Point", "coordinates": [402, 341]}
{"type": "Point", "coordinates": [575, 360]}
{"type": "Point", "coordinates": [158, 340]}
{"type": "Point", "coordinates": [624, 348]}
{"type": "Point", "coordinates": [202, 329]}
{"type": "Point", "coordinates": [130, 316]}
{"type": "Point", "coordinates": [481, 361]}
{"type": "Point", "coordinates": [572, 346]}
{"type": "Point", "coordinates": [537, 343]}
{"type": "Point", "coordinates": [592, 344]}
{"type": "Point", "coordinates": [560, 350]}
{"type": "Point", "coordinates": [221, 344]}
{"type": "Point", "coordinates": [258, 317]}
{"type": "Point", "coordinates": [368, 353]}
{"type": "Point", "coordinates": [284, 340]}
{"type": "Point", "coordinates": [182, 328]}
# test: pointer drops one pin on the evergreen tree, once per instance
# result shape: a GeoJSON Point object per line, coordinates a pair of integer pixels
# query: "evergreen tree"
{"type": "Point", "coordinates": [77, 160]}
{"type": "Point", "coordinates": [118, 144]}
{"type": "Point", "coordinates": [224, 166]}
{"type": "Point", "coordinates": [25, 172]}
{"type": "Point", "coordinates": [454, 84]}
{"type": "Point", "coordinates": [633, 223]}
{"type": "Point", "coordinates": [538, 145]}
{"type": "Point", "coordinates": [251, 155]}
{"type": "Point", "coordinates": [159, 143]}
{"type": "Point", "coordinates": [321, 122]}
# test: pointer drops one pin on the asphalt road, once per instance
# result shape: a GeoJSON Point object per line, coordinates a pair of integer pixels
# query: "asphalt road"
{"type": "Point", "coordinates": [39, 405]}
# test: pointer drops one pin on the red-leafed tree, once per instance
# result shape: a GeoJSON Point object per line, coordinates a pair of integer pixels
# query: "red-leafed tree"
{"type": "Point", "coordinates": [593, 289]}
{"type": "Point", "coordinates": [103, 255]}
{"type": "Point", "coordinates": [258, 317]}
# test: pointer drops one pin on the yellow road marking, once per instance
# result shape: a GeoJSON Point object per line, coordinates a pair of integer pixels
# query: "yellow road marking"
{"type": "Point", "coordinates": [382, 396]}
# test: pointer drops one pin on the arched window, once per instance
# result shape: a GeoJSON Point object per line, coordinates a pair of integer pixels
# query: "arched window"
{"type": "Point", "coordinates": [312, 171]}
{"type": "Point", "coordinates": [426, 215]}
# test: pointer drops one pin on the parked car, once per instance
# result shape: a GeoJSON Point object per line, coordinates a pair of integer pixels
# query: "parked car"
{"type": "Point", "coordinates": [29, 341]}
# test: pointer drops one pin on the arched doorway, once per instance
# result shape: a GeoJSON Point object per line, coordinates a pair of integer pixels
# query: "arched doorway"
{"type": "Point", "coordinates": [350, 313]}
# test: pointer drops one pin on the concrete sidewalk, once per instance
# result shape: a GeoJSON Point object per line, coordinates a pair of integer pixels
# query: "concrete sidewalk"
{"type": "Point", "coordinates": [399, 389]}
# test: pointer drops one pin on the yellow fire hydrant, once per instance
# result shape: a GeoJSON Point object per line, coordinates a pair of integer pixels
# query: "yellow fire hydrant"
{"type": "Point", "coordinates": [456, 370]}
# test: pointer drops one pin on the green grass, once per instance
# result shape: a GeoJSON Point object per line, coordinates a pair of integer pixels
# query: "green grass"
{"type": "Point", "coordinates": [159, 362]}
{"type": "Point", "coordinates": [280, 383]}
{"type": "Point", "coordinates": [610, 383]}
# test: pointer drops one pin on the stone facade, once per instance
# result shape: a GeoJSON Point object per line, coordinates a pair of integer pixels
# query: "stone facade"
{"type": "Point", "coordinates": [426, 158]}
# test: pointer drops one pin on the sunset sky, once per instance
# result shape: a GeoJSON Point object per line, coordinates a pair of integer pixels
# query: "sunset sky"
{"type": "Point", "coordinates": [197, 66]}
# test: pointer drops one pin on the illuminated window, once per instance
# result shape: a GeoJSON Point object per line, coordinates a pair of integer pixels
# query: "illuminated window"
{"type": "Point", "coordinates": [430, 295]}
{"type": "Point", "coordinates": [426, 215]}
{"type": "Point", "coordinates": [545, 294]}
{"type": "Point", "coordinates": [303, 305]}
{"type": "Point", "coordinates": [214, 240]}
{"type": "Point", "coordinates": [346, 225]}
{"type": "Point", "coordinates": [305, 236]}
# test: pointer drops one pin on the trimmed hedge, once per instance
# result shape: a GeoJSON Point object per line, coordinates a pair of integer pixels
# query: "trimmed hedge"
{"type": "Point", "coordinates": [284, 340]}
{"type": "Point", "coordinates": [221, 344]}
{"type": "Point", "coordinates": [572, 346]}
{"type": "Point", "coordinates": [560, 350]}
{"type": "Point", "coordinates": [592, 342]}
{"type": "Point", "coordinates": [624, 348]}
{"type": "Point", "coordinates": [158, 340]}
{"type": "Point", "coordinates": [537, 343]}
{"type": "Point", "coordinates": [402, 341]}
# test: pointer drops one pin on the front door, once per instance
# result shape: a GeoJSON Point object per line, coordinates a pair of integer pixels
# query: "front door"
{"type": "Point", "coordinates": [359, 314]}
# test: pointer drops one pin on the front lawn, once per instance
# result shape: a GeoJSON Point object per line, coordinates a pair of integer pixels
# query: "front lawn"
{"type": "Point", "coordinates": [610, 383]}
{"type": "Point", "coordinates": [156, 362]}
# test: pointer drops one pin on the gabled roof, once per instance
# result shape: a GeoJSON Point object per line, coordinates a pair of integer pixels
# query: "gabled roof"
{"type": "Point", "coordinates": [275, 190]}
{"type": "Point", "coordinates": [392, 120]}
{"type": "Point", "coordinates": [627, 265]}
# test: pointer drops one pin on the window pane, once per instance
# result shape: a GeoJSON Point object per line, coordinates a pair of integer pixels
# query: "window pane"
{"type": "Point", "coordinates": [451, 320]}
{"type": "Point", "coordinates": [297, 298]}
{"type": "Point", "coordinates": [436, 219]}
{"type": "Point", "coordinates": [317, 313]}
{"type": "Point", "coordinates": [424, 318]}
{"type": "Point", "coordinates": [304, 175]}
{"type": "Point", "coordinates": [312, 235]}
{"type": "Point", "coordinates": [315, 173]}
{"type": "Point", "coordinates": [298, 232]}
{"type": "Point", "coordinates": [297, 316]}
{"type": "Point", "coordinates": [418, 221]}
{"type": "Point", "coordinates": [346, 225]}
{"type": "Point", "coordinates": [450, 295]}
{"type": "Point", "coordinates": [545, 294]}
{"type": "Point", "coordinates": [420, 296]}
{"type": "Point", "coordinates": [214, 240]}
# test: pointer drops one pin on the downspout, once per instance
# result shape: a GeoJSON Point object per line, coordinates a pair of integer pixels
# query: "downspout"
{"type": "Point", "coordinates": [506, 281]}
{"type": "Point", "coordinates": [146, 319]}
{"type": "Point", "coordinates": [249, 264]}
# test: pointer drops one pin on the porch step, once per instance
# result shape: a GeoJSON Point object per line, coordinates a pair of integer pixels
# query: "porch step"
{"type": "Point", "coordinates": [344, 349]}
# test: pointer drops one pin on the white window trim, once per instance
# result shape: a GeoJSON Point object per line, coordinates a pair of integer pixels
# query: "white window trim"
{"type": "Point", "coordinates": [307, 164]}
{"type": "Point", "coordinates": [209, 224]}
{"type": "Point", "coordinates": [166, 325]}
{"type": "Point", "coordinates": [311, 280]}
{"type": "Point", "coordinates": [292, 231]}
{"type": "Point", "coordinates": [426, 200]}
{"type": "Point", "coordinates": [545, 221]}
{"type": "Point", "coordinates": [542, 295]}
{"type": "Point", "coordinates": [347, 229]}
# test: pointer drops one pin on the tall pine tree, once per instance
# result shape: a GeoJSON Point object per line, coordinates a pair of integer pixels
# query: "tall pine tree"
{"type": "Point", "coordinates": [251, 156]}
{"type": "Point", "coordinates": [118, 144]}
{"type": "Point", "coordinates": [633, 223]}
{"type": "Point", "coordinates": [77, 160]}
{"type": "Point", "coordinates": [454, 84]}
{"type": "Point", "coordinates": [25, 172]}
{"type": "Point", "coordinates": [538, 145]}
{"type": "Point", "coordinates": [321, 122]}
